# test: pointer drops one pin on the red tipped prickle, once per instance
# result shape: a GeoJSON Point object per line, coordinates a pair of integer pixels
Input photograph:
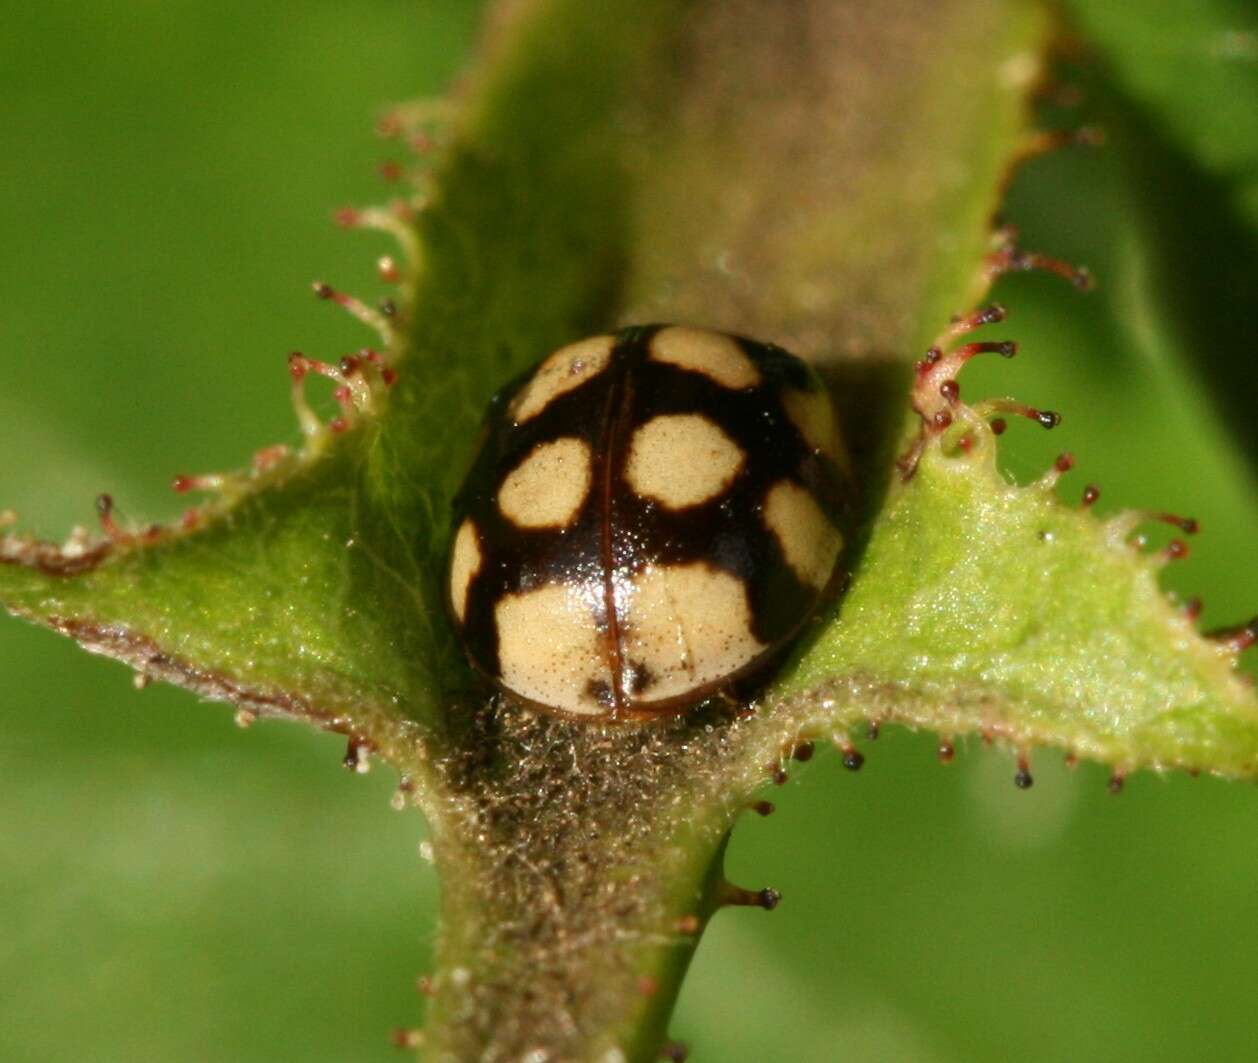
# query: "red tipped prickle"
{"type": "Point", "coordinates": [735, 896]}
{"type": "Point", "coordinates": [1175, 550]}
{"type": "Point", "coordinates": [105, 513]}
{"type": "Point", "coordinates": [1237, 639]}
{"type": "Point", "coordinates": [1022, 778]}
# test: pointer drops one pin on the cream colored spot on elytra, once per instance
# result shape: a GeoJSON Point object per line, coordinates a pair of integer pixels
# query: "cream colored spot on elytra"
{"type": "Point", "coordinates": [465, 562]}
{"type": "Point", "coordinates": [550, 649]}
{"type": "Point", "coordinates": [548, 488]}
{"type": "Point", "coordinates": [808, 539]}
{"type": "Point", "coordinates": [716, 356]}
{"type": "Point", "coordinates": [682, 459]}
{"type": "Point", "coordinates": [812, 413]}
{"type": "Point", "coordinates": [568, 368]}
{"type": "Point", "coordinates": [687, 625]}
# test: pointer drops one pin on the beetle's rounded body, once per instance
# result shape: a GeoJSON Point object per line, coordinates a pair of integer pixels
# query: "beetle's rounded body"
{"type": "Point", "coordinates": [651, 516]}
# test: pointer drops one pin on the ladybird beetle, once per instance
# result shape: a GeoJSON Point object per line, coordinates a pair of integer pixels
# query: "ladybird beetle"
{"type": "Point", "coordinates": [651, 517]}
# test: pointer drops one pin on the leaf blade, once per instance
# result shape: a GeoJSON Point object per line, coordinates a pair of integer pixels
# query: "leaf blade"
{"type": "Point", "coordinates": [991, 608]}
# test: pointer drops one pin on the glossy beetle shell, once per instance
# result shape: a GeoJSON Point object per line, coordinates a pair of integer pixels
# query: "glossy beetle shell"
{"type": "Point", "coordinates": [651, 517]}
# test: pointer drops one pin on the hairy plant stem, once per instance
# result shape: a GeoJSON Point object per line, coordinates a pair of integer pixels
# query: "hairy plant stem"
{"type": "Point", "coordinates": [579, 867]}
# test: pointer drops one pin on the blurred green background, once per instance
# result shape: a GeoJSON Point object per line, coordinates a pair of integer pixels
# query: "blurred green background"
{"type": "Point", "coordinates": [174, 888]}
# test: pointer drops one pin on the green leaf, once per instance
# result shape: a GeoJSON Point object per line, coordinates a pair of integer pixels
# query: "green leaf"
{"type": "Point", "coordinates": [257, 607]}
{"type": "Point", "coordinates": [967, 616]}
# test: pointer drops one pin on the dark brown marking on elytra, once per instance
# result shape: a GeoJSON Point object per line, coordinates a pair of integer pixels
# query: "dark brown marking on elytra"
{"type": "Point", "coordinates": [600, 690]}
{"type": "Point", "coordinates": [638, 677]}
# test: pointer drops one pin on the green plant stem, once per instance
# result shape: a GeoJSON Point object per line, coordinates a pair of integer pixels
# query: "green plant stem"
{"type": "Point", "coordinates": [579, 867]}
{"type": "Point", "coordinates": [515, 978]}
